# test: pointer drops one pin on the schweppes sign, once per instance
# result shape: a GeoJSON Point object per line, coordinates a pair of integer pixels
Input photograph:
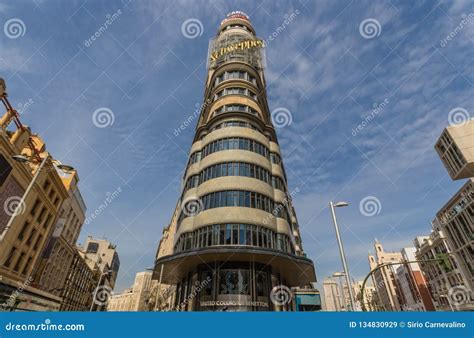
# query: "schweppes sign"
{"type": "Point", "coordinates": [241, 45]}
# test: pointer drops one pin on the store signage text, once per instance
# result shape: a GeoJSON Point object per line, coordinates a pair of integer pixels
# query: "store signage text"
{"type": "Point", "coordinates": [241, 45]}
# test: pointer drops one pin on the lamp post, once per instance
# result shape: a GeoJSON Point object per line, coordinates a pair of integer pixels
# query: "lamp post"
{"type": "Point", "coordinates": [25, 159]}
{"type": "Point", "coordinates": [341, 248]}
{"type": "Point", "coordinates": [94, 295]}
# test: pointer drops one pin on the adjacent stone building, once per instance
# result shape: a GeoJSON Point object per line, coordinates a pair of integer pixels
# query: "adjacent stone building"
{"type": "Point", "coordinates": [137, 297]}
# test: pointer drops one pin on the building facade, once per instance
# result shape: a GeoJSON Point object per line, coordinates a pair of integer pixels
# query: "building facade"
{"type": "Point", "coordinates": [384, 279]}
{"type": "Point", "coordinates": [370, 296]}
{"type": "Point", "coordinates": [101, 256]}
{"type": "Point", "coordinates": [235, 229]}
{"type": "Point", "coordinates": [31, 195]}
{"type": "Point", "coordinates": [456, 218]}
{"type": "Point", "coordinates": [414, 293]}
{"type": "Point", "coordinates": [455, 148]}
{"type": "Point", "coordinates": [80, 284]}
{"type": "Point", "coordinates": [135, 298]}
{"type": "Point", "coordinates": [333, 300]}
{"type": "Point", "coordinates": [442, 281]}
{"type": "Point", "coordinates": [59, 253]}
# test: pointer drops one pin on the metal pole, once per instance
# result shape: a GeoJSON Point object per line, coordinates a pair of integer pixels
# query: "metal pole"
{"type": "Point", "coordinates": [343, 257]}
{"type": "Point", "coordinates": [30, 186]}
{"type": "Point", "coordinates": [342, 296]}
{"type": "Point", "coordinates": [95, 291]}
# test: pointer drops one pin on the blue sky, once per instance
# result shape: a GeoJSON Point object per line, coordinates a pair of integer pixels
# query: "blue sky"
{"type": "Point", "coordinates": [319, 67]}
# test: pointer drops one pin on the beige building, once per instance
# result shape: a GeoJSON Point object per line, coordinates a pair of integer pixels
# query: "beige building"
{"type": "Point", "coordinates": [370, 296]}
{"type": "Point", "coordinates": [456, 219]}
{"type": "Point", "coordinates": [332, 297]}
{"type": "Point", "coordinates": [234, 232]}
{"type": "Point", "coordinates": [80, 283]}
{"type": "Point", "coordinates": [101, 256]}
{"type": "Point", "coordinates": [30, 200]}
{"type": "Point", "coordinates": [104, 254]}
{"type": "Point", "coordinates": [412, 285]}
{"type": "Point", "coordinates": [137, 297]}
{"type": "Point", "coordinates": [442, 282]}
{"type": "Point", "coordinates": [59, 254]}
{"type": "Point", "coordinates": [384, 278]}
{"type": "Point", "coordinates": [455, 147]}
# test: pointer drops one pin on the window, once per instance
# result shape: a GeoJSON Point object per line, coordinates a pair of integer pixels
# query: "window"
{"type": "Point", "coordinates": [5, 169]}
{"type": "Point", "coordinates": [41, 215]}
{"type": "Point", "coordinates": [27, 265]}
{"type": "Point", "coordinates": [35, 207]}
{"type": "Point", "coordinates": [21, 234]}
{"type": "Point", "coordinates": [38, 240]}
{"type": "Point", "coordinates": [19, 261]}
{"type": "Point", "coordinates": [242, 233]}
{"type": "Point", "coordinates": [9, 259]}
{"type": "Point", "coordinates": [228, 234]}
{"type": "Point", "coordinates": [234, 234]}
{"type": "Point", "coordinates": [92, 248]}
{"type": "Point", "coordinates": [46, 222]}
{"type": "Point", "coordinates": [30, 238]}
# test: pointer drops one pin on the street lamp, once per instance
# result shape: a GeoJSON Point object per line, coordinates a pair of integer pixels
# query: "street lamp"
{"type": "Point", "coordinates": [341, 248]}
{"type": "Point", "coordinates": [25, 159]}
{"type": "Point", "coordinates": [94, 295]}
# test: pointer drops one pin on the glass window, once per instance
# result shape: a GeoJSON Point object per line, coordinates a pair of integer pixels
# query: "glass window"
{"type": "Point", "coordinates": [215, 234]}
{"type": "Point", "coordinates": [228, 234]}
{"type": "Point", "coordinates": [230, 198]}
{"type": "Point", "coordinates": [235, 234]}
{"type": "Point", "coordinates": [242, 233]}
{"type": "Point", "coordinates": [248, 235]}
{"type": "Point", "coordinates": [222, 234]}
{"type": "Point", "coordinates": [241, 198]}
{"type": "Point", "coordinates": [92, 247]}
{"type": "Point", "coordinates": [254, 235]}
{"type": "Point", "coordinates": [247, 199]}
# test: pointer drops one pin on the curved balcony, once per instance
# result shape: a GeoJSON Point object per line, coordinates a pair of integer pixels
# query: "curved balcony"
{"type": "Point", "coordinates": [297, 270]}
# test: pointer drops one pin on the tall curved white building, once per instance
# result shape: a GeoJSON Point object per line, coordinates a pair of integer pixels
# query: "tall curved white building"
{"type": "Point", "coordinates": [234, 236]}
